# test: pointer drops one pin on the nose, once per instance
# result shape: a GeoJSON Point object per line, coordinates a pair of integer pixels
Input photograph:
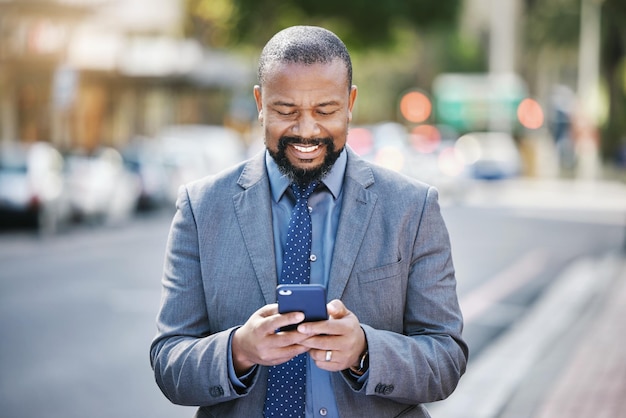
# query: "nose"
{"type": "Point", "coordinates": [306, 126]}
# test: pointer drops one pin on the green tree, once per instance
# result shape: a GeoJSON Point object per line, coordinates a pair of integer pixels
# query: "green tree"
{"type": "Point", "coordinates": [395, 44]}
{"type": "Point", "coordinates": [553, 33]}
{"type": "Point", "coordinates": [614, 72]}
{"type": "Point", "coordinates": [360, 23]}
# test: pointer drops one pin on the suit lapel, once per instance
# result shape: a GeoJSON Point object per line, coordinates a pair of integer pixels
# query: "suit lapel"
{"type": "Point", "coordinates": [254, 214]}
{"type": "Point", "coordinates": [356, 212]}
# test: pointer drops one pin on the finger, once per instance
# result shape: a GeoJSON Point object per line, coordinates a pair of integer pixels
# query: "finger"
{"type": "Point", "coordinates": [265, 318]}
{"type": "Point", "coordinates": [284, 320]}
{"type": "Point", "coordinates": [335, 325]}
{"type": "Point", "coordinates": [330, 360]}
{"type": "Point", "coordinates": [279, 356]}
{"type": "Point", "coordinates": [318, 328]}
{"type": "Point", "coordinates": [336, 309]}
{"type": "Point", "coordinates": [267, 310]}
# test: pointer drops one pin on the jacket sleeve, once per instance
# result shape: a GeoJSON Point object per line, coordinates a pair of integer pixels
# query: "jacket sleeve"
{"type": "Point", "coordinates": [190, 364]}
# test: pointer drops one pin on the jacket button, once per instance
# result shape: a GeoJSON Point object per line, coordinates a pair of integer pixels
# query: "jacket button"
{"type": "Point", "coordinates": [323, 412]}
{"type": "Point", "coordinates": [384, 389]}
{"type": "Point", "coordinates": [216, 391]}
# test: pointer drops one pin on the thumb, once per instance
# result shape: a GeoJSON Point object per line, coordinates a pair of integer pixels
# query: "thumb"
{"type": "Point", "coordinates": [336, 309]}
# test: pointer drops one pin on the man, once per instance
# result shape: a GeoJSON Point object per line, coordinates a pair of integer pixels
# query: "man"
{"type": "Point", "coordinates": [379, 246]}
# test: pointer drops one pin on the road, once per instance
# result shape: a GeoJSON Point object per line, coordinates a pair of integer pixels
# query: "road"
{"type": "Point", "coordinates": [77, 314]}
{"type": "Point", "coordinates": [77, 309]}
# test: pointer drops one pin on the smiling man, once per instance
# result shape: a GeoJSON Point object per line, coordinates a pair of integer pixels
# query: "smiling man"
{"type": "Point", "coordinates": [305, 109]}
{"type": "Point", "coordinates": [308, 210]}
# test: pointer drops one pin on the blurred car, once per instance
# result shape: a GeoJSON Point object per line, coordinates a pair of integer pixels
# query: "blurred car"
{"type": "Point", "coordinates": [490, 155]}
{"type": "Point", "coordinates": [191, 152]}
{"type": "Point", "coordinates": [142, 157]}
{"type": "Point", "coordinates": [31, 186]}
{"type": "Point", "coordinates": [384, 144]}
{"type": "Point", "coordinates": [422, 152]}
{"type": "Point", "coordinates": [100, 187]}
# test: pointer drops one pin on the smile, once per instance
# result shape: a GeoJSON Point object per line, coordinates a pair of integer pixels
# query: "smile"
{"type": "Point", "coordinates": [308, 148]}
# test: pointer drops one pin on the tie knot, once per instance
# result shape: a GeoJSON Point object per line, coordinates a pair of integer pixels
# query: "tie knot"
{"type": "Point", "coordinates": [303, 191]}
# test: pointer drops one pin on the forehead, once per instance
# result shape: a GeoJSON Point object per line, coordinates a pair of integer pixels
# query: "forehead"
{"type": "Point", "coordinates": [283, 77]}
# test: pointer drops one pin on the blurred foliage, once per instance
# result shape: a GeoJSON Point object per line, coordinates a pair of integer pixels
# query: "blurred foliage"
{"type": "Point", "coordinates": [614, 72]}
{"type": "Point", "coordinates": [360, 23]}
{"type": "Point", "coordinates": [555, 23]}
{"type": "Point", "coordinates": [402, 44]}
{"type": "Point", "coordinates": [395, 44]}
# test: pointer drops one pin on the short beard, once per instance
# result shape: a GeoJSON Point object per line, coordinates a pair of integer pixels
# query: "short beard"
{"type": "Point", "coordinates": [301, 175]}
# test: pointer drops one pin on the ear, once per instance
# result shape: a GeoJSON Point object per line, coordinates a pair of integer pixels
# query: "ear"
{"type": "Point", "coordinates": [259, 102]}
{"type": "Point", "coordinates": [351, 100]}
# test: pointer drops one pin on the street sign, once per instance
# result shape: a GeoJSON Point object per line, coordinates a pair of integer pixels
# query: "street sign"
{"type": "Point", "coordinates": [483, 101]}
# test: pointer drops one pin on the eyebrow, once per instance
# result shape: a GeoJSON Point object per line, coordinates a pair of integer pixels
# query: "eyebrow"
{"type": "Point", "coordinates": [289, 104]}
{"type": "Point", "coordinates": [281, 103]}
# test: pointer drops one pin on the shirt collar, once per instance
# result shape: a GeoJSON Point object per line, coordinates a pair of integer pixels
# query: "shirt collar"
{"type": "Point", "coordinates": [333, 180]}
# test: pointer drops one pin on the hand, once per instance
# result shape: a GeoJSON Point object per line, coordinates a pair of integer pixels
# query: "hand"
{"type": "Point", "coordinates": [257, 341]}
{"type": "Point", "coordinates": [341, 333]}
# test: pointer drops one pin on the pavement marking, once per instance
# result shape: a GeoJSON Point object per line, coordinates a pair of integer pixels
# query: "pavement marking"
{"type": "Point", "coordinates": [503, 284]}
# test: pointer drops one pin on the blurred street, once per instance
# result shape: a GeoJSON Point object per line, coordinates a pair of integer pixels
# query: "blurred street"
{"type": "Point", "coordinates": [513, 109]}
{"type": "Point", "coordinates": [77, 309]}
{"type": "Point", "coordinates": [559, 350]}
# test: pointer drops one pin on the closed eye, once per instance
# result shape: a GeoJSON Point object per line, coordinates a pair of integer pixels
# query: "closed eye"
{"type": "Point", "coordinates": [327, 108]}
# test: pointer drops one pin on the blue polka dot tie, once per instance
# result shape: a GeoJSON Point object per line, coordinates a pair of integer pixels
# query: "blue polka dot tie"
{"type": "Point", "coordinates": [286, 382]}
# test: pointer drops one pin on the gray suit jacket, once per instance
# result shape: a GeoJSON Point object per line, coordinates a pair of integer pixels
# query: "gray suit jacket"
{"type": "Point", "coordinates": [392, 267]}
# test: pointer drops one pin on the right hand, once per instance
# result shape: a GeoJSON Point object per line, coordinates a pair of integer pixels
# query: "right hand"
{"type": "Point", "coordinates": [257, 341]}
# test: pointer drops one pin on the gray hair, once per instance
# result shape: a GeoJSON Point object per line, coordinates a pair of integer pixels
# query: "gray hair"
{"type": "Point", "coordinates": [303, 45]}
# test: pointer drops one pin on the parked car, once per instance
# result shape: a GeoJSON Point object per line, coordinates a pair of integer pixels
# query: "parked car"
{"type": "Point", "coordinates": [190, 152]}
{"type": "Point", "coordinates": [32, 192]}
{"type": "Point", "coordinates": [100, 187]}
{"type": "Point", "coordinates": [143, 157]}
{"type": "Point", "coordinates": [490, 155]}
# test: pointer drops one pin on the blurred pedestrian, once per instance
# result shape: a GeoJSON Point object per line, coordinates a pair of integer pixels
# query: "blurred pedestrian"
{"type": "Point", "coordinates": [379, 245]}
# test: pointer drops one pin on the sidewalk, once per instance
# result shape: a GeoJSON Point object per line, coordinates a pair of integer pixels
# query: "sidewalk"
{"type": "Point", "coordinates": [593, 383]}
{"type": "Point", "coordinates": [601, 201]}
{"type": "Point", "coordinates": [565, 359]}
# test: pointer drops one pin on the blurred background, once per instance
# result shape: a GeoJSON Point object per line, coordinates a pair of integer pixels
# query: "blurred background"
{"type": "Point", "coordinates": [514, 109]}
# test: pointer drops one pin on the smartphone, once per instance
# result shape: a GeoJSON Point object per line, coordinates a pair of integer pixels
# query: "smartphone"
{"type": "Point", "coordinates": [307, 298]}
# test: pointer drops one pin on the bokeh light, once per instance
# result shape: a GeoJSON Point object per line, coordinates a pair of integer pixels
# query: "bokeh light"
{"type": "Point", "coordinates": [415, 107]}
{"type": "Point", "coordinates": [390, 157]}
{"type": "Point", "coordinates": [425, 138]}
{"type": "Point", "coordinates": [361, 140]}
{"type": "Point", "coordinates": [469, 147]}
{"type": "Point", "coordinates": [451, 162]}
{"type": "Point", "coordinates": [530, 114]}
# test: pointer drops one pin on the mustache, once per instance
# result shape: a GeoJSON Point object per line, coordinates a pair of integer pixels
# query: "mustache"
{"type": "Point", "coordinates": [286, 140]}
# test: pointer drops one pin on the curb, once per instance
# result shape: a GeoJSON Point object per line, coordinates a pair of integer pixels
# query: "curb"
{"type": "Point", "coordinates": [494, 377]}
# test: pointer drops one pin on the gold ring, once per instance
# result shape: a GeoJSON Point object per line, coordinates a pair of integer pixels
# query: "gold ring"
{"type": "Point", "coordinates": [329, 355]}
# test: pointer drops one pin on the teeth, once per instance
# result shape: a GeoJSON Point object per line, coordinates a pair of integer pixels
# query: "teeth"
{"type": "Point", "coordinates": [309, 148]}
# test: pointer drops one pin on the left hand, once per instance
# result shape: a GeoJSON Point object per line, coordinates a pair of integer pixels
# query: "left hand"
{"type": "Point", "coordinates": [341, 334]}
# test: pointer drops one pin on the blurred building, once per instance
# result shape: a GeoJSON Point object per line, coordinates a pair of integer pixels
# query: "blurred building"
{"type": "Point", "coordinates": [85, 73]}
